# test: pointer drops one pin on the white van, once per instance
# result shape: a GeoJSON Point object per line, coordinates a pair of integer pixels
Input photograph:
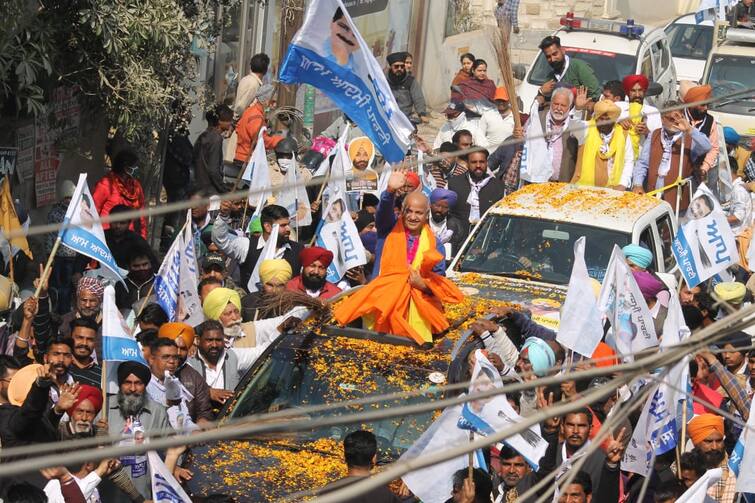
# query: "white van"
{"type": "Point", "coordinates": [690, 45]}
{"type": "Point", "coordinates": [613, 50]}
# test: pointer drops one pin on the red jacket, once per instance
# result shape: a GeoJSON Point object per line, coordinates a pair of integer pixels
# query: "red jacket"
{"type": "Point", "coordinates": [328, 291]}
{"type": "Point", "coordinates": [113, 190]}
{"type": "Point", "coordinates": [247, 131]}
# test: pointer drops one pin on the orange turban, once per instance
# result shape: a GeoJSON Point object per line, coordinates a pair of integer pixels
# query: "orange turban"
{"type": "Point", "coordinates": [604, 356]}
{"type": "Point", "coordinates": [698, 93]}
{"type": "Point", "coordinates": [700, 427]}
{"type": "Point", "coordinates": [174, 330]}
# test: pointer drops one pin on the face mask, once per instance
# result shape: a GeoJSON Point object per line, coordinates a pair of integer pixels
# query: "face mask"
{"type": "Point", "coordinates": [285, 164]}
{"type": "Point", "coordinates": [132, 171]}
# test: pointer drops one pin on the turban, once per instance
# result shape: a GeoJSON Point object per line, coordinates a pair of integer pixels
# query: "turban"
{"type": "Point", "coordinates": [606, 107]}
{"type": "Point", "coordinates": [364, 218]}
{"type": "Point", "coordinates": [276, 268]}
{"type": "Point", "coordinates": [605, 356]}
{"type": "Point", "coordinates": [174, 330]}
{"type": "Point", "coordinates": [20, 384]}
{"type": "Point", "coordinates": [640, 256]}
{"type": "Point", "coordinates": [309, 255]}
{"type": "Point", "coordinates": [255, 225]}
{"type": "Point", "coordinates": [396, 57]}
{"type": "Point", "coordinates": [697, 93]}
{"type": "Point", "coordinates": [412, 179]}
{"type": "Point", "coordinates": [441, 194]}
{"type": "Point", "coordinates": [87, 392]}
{"type": "Point", "coordinates": [730, 291]}
{"type": "Point", "coordinates": [700, 427]}
{"type": "Point", "coordinates": [369, 241]}
{"type": "Point", "coordinates": [540, 355]}
{"type": "Point", "coordinates": [740, 340]}
{"type": "Point", "coordinates": [91, 284]}
{"type": "Point", "coordinates": [649, 285]}
{"type": "Point", "coordinates": [731, 137]}
{"type": "Point", "coordinates": [127, 368]}
{"type": "Point", "coordinates": [630, 80]}
{"type": "Point", "coordinates": [217, 300]}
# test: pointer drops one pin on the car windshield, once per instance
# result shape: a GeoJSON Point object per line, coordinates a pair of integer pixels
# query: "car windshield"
{"type": "Point", "coordinates": [730, 74]}
{"type": "Point", "coordinates": [537, 249]}
{"type": "Point", "coordinates": [690, 41]}
{"type": "Point", "coordinates": [305, 370]}
{"type": "Point", "coordinates": [606, 65]}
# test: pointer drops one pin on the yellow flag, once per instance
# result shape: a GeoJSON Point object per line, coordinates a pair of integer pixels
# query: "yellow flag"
{"type": "Point", "coordinates": [9, 220]}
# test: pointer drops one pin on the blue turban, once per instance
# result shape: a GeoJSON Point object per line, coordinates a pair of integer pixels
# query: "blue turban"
{"type": "Point", "coordinates": [440, 194]}
{"type": "Point", "coordinates": [540, 355]}
{"type": "Point", "coordinates": [640, 256]}
{"type": "Point", "coordinates": [731, 137]}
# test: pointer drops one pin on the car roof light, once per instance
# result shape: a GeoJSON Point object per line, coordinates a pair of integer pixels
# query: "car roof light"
{"type": "Point", "coordinates": [628, 29]}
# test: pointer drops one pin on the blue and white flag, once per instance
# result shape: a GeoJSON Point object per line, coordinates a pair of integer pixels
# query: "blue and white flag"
{"type": "Point", "coordinates": [165, 487]}
{"type": "Point", "coordinates": [425, 177]}
{"type": "Point", "coordinates": [257, 174]}
{"type": "Point", "coordinates": [742, 458]}
{"type": "Point", "coordinates": [268, 252]}
{"type": "Point", "coordinates": [705, 244]}
{"type": "Point", "coordinates": [581, 327]}
{"type": "Point", "coordinates": [117, 342]}
{"type": "Point", "coordinates": [176, 280]}
{"type": "Point", "coordinates": [329, 53]}
{"type": "Point", "coordinates": [337, 173]}
{"type": "Point", "coordinates": [85, 234]}
{"type": "Point", "coordinates": [338, 233]}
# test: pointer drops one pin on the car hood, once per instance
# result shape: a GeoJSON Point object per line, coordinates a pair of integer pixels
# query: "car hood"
{"type": "Point", "coordinates": [543, 300]}
{"type": "Point", "coordinates": [263, 469]}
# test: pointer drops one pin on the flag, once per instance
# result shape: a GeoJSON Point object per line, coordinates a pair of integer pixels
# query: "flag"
{"type": "Point", "coordinates": [329, 53]}
{"type": "Point", "coordinates": [85, 234]}
{"type": "Point", "coordinates": [117, 342]}
{"type": "Point", "coordinates": [339, 167]}
{"type": "Point", "coordinates": [705, 244]}
{"type": "Point", "coordinates": [268, 252]}
{"type": "Point", "coordinates": [295, 199]}
{"type": "Point", "coordinates": [10, 223]}
{"type": "Point", "coordinates": [742, 458]}
{"type": "Point", "coordinates": [165, 488]}
{"type": "Point", "coordinates": [257, 173]}
{"type": "Point", "coordinates": [623, 304]}
{"type": "Point", "coordinates": [385, 175]}
{"type": "Point", "coordinates": [425, 177]}
{"type": "Point", "coordinates": [176, 280]}
{"type": "Point", "coordinates": [338, 233]}
{"type": "Point", "coordinates": [698, 492]}
{"type": "Point", "coordinates": [580, 328]}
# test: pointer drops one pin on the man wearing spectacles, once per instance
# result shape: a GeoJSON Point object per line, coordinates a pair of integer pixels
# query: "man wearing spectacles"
{"type": "Point", "coordinates": [165, 389]}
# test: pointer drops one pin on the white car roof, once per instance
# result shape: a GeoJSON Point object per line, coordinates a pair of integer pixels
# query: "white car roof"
{"type": "Point", "coordinates": [690, 19]}
{"type": "Point", "coordinates": [599, 41]}
{"type": "Point", "coordinates": [593, 206]}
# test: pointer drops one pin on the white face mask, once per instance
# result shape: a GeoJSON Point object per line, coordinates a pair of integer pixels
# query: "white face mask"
{"type": "Point", "coordinates": [286, 164]}
{"type": "Point", "coordinates": [458, 121]}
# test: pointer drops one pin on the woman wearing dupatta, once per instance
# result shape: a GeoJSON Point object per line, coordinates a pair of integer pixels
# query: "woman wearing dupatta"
{"type": "Point", "coordinates": [408, 289]}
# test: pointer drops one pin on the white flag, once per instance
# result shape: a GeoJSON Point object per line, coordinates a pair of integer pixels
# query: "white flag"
{"type": "Point", "coordinates": [384, 177]}
{"type": "Point", "coordinates": [698, 492]}
{"type": "Point", "coordinates": [341, 165]}
{"type": "Point", "coordinates": [268, 252]}
{"type": "Point", "coordinates": [295, 199]}
{"type": "Point", "coordinates": [426, 178]}
{"type": "Point", "coordinates": [705, 245]}
{"type": "Point", "coordinates": [257, 173]}
{"type": "Point", "coordinates": [581, 327]}
{"type": "Point", "coordinates": [117, 342]}
{"type": "Point", "coordinates": [338, 233]}
{"type": "Point", "coordinates": [746, 466]}
{"type": "Point", "coordinates": [165, 488]}
{"type": "Point", "coordinates": [189, 304]}
{"type": "Point", "coordinates": [622, 302]}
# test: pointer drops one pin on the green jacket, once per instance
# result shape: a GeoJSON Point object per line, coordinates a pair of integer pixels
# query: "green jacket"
{"type": "Point", "coordinates": [579, 74]}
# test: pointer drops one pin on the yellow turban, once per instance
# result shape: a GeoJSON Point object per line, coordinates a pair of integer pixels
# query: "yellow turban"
{"type": "Point", "coordinates": [606, 107]}
{"type": "Point", "coordinates": [217, 300]}
{"type": "Point", "coordinates": [700, 427]}
{"type": "Point", "coordinates": [174, 330]}
{"type": "Point", "coordinates": [277, 268]}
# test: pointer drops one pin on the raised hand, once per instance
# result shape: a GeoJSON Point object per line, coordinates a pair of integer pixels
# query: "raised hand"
{"type": "Point", "coordinates": [69, 393]}
{"type": "Point", "coordinates": [396, 181]}
{"type": "Point", "coordinates": [581, 100]}
{"type": "Point", "coordinates": [31, 305]}
{"type": "Point", "coordinates": [552, 423]}
{"type": "Point", "coordinates": [615, 448]}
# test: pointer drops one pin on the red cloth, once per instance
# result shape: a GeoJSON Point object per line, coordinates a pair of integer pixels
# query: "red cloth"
{"type": "Point", "coordinates": [247, 131]}
{"type": "Point", "coordinates": [412, 179]}
{"type": "Point", "coordinates": [630, 80]}
{"type": "Point", "coordinates": [328, 291]}
{"type": "Point", "coordinates": [115, 190]}
{"type": "Point", "coordinates": [94, 395]}
{"type": "Point", "coordinates": [604, 356]}
{"type": "Point", "coordinates": [707, 395]}
{"type": "Point", "coordinates": [309, 255]}
{"type": "Point", "coordinates": [474, 89]}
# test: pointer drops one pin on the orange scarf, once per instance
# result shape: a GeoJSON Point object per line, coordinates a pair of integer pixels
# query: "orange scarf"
{"type": "Point", "coordinates": [387, 298]}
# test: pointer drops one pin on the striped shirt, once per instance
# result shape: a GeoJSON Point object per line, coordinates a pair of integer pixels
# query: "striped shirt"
{"type": "Point", "coordinates": [91, 375]}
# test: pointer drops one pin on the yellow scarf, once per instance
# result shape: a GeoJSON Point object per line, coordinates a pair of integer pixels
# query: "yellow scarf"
{"type": "Point", "coordinates": [592, 150]}
{"type": "Point", "coordinates": [415, 319]}
{"type": "Point", "coordinates": [635, 115]}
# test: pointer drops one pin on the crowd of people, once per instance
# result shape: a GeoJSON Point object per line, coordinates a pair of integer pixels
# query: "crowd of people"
{"type": "Point", "coordinates": [578, 130]}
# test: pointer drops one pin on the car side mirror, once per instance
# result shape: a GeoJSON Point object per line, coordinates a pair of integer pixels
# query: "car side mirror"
{"type": "Point", "coordinates": [654, 89]}
{"type": "Point", "coordinates": [519, 71]}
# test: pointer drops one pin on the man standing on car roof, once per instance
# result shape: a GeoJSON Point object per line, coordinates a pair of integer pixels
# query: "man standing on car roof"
{"type": "Point", "coordinates": [568, 70]}
{"type": "Point", "coordinates": [638, 118]}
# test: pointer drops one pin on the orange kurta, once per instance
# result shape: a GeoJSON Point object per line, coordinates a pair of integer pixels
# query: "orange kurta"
{"type": "Point", "coordinates": [387, 299]}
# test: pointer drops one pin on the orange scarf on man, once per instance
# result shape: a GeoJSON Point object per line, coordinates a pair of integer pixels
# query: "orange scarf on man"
{"type": "Point", "coordinates": [392, 303]}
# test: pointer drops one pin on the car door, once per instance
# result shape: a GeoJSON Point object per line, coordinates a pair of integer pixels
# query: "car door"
{"type": "Point", "coordinates": [663, 67]}
{"type": "Point", "coordinates": [665, 237]}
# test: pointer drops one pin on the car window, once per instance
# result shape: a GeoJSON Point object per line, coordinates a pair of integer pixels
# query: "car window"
{"type": "Point", "coordinates": [660, 56]}
{"type": "Point", "coordinates": [690, 41]}
{"type": "Point", "coordinates": [606, 65]}
{"type": "Point", "coordinates": [647, 66]}
{"type": "Point", "coordinates": [648, 241]}
{"type": "Point", "coordinates": [667, 235]}
{"type": "Point", "coordinates": [730, 74]}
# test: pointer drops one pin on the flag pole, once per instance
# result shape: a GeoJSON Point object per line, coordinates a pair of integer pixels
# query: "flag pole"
{"type": "Point", "coordinates": [470, 468]}
{"type": "Point", "coordinates": [48, 266]}
{"type": "Point", "coordinates": [103, 383]}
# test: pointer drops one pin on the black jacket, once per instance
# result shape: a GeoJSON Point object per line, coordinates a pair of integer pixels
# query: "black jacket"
{"type": "Point", "coordinates": [290, 255]}
{"type": "Point", "coordinates": [490, 194]}
{"type": "Point", "coordinates": [459, 235]}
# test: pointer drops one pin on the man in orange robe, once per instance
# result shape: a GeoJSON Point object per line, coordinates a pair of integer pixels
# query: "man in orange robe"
{"type": "Point", "coordinates": [406, 296]}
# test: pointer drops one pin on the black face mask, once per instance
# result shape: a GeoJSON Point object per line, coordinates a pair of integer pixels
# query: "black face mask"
{"type": "Point", "coordinates": [697, 114]}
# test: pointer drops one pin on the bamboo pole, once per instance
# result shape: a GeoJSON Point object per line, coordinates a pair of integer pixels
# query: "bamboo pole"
{"type": "Point", "coordinates": [470, 469]}
{"type": "Point", "coordinates": [501, 44]}
{"type": "Point", "coordinates": [48, 267]}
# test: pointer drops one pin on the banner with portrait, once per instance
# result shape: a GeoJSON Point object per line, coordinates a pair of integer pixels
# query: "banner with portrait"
{"type": "Point", "coordinates": [338, 233]}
